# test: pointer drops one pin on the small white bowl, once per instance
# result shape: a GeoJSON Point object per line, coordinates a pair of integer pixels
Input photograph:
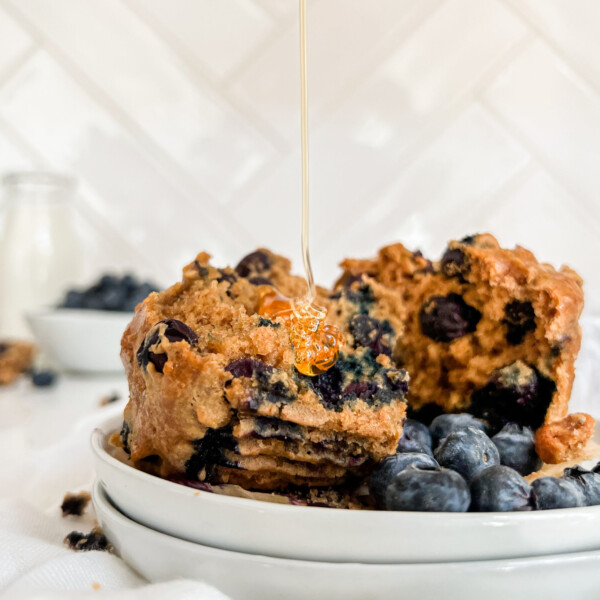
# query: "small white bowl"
{"type": "Point", "coordinates": [81, 340]}
{"type": "Point", "coordinates": [336, 535]}
{"type": "Point", "coordinates": [160, 557]}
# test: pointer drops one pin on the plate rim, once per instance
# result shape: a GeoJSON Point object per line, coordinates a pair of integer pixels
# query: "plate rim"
{"type": "Point", "coordinates": [101, 498]}
{"type": "Point", "coordinates": [111, 423]}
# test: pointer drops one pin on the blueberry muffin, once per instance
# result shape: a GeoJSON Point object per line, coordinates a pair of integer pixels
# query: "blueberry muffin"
{"type": "Point", "coordinates": [488, 331]}
{"type": "Point", "coordinates": [215, 395]}
{"type": "Point", "coordinates": [15, 358]}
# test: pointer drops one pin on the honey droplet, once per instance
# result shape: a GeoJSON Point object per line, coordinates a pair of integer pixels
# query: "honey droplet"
{"type": "Point", "coordinates": [272, 304]}
{"type": "Point", "coordinates": [316, 343]}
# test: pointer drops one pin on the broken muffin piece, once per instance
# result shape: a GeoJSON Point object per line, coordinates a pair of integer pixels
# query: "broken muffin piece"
{"type": "Point", "coordinates": [15, 358]}
{"type": "Point", "coordinates": [86, 542]}
{"type": "Point", "coordinates": [488, 330]}
{"type": "Point", "coordinates": [215, 395]}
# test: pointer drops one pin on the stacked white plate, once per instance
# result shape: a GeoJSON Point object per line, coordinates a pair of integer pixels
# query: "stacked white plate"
{"type": "Point", "coordinates": [260, 550]}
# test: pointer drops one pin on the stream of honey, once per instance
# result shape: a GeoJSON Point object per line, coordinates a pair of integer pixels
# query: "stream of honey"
{"type": "Point", "coordinates": [316, 343]}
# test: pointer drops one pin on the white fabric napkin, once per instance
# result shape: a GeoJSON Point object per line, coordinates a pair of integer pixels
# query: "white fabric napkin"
{"type": "Point", "coordinates": [41, 461]}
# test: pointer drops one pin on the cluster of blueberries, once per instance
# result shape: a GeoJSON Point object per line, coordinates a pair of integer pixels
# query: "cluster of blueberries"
{"type": "Point", "coordinates": [110, 292]}
{"type": "Point", "coordinates": [453, 466]}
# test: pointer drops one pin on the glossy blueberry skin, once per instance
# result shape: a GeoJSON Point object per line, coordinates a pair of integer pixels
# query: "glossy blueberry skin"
{"type": "Point", "coordinates": [500, 489]}
{"type": "Point", "coordinates": [43, 378]}
{"type": "Point", "coordinates": [415, 438]}
{"type": "Point", "coordinates": [386, 470]}
{"type": "Point", "coordinates": [516, 446]}
{"type": "Point", "coordinates": [552, 492]}
{"type": "Point", "coordinates": [467, 451]}
{"type": "Point", "coordinates": [443, 425]}
{"type": "Point", "coordinates": [428, 490]}
{"type": "Point", "coordinates": [587, 481]}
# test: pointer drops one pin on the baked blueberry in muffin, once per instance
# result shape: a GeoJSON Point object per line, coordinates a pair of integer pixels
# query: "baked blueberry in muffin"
{"type": "Point", "coordinates": [488, 331]}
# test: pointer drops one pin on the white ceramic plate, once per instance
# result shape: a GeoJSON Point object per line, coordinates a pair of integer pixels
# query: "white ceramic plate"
{"type": "Point", "coordinates": [160, 557]}
{"type": "Point", "coordinates": [336, 535]}
{"type": "Point", "coordinates": [81, 340]}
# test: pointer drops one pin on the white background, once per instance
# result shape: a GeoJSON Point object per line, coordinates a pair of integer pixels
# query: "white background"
{"type": "Point", "coordinates": [430, 119]}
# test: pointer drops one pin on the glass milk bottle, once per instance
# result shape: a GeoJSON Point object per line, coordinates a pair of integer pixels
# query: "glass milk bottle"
{"type": "Point", "coordinates": [40, 253]}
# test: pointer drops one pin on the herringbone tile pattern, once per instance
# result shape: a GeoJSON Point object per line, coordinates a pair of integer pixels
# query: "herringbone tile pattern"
{"type": "Point", "coordinates": [430, 119]}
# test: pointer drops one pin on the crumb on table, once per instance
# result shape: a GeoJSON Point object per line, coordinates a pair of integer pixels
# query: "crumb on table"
{"type": "Point", "coordinates": [75, 504]}
{"type": "Point", "coordinates": [83, 542]}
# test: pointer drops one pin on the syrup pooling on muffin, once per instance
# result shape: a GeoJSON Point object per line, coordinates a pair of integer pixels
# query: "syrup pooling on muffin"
{"type": "Point", "coordinates": [316, 343]}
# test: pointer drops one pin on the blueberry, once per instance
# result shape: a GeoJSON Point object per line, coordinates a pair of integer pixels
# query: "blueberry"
{"type": "Point", "coordinates": [552, 492]}
{"type": "Point", "coordinates": [74, 299]}
{"type": "Point", "coordinates": [368, 332]}
{"type": "Point", "coordinates": [365, 329]}
{"type": "Point", "coordinates": [519, 320]}
{"type": "Point", "coordinates": [455, 263]}
{"type": "Point", "coordinates": [224, 275]}
{"type": "Point", "coordinates": [516, 393]}
{"type": "Point", "coordinates": [178, 331]}
{"type": "Point", "coordinates": [430, 490]}
{"type": "Point", "coordinates": [247, 367]}
{"type": "Point", "coordinates": [260, 281]}
{"type": "Point", "coordinates": [107, 281]}
{"type": "Point", "coordinates": [114, 298]}
{"type": "Point", "coordinates": [396, 380]}
{"type": "Point", "coordinates": [43, 378]}
{"type": "Point", "coordinates": [446, 318]}
{"type": "Point", "coordinates": [129, 281]}
{"type": "Point", "coordinates": [467, 451]}
{"type": "Point", "coordinates": [208, 451]}
{"type": "Point", "coordinates": [3, 347]}
{"type": "Point", "coordinates": [110, 293]}
{"type": "Point", "coordinates": [443, 425]}
{"type": "Point", "coordinates": [93, 301]}
{"type": "Point", "coordinates": [256, 262]}
{"type": "Point", "coordinates": [500, 489]}
{"type": "Point", "coordinates": [382, 476]}
{"type": "Point", "coordinates": [517, 448]}
{"type": "Point", "coordinates": [587, 481]}
{"type": "Point", "coordinates": [125, 435]}
{"type": "Point", "coordinates": [415, 438]}
{"type": "Point", "coordinates": [267, 385]}
{"type": "Point", "coordinates": [174, 331]}
{"type": "Point", "coordinates": [361, 389]}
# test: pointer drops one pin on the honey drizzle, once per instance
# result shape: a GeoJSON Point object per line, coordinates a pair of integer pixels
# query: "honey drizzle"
{"type": "Point", "coordinates": [316, 343]}
{"type": "Point", "coordinates": [311, 292]}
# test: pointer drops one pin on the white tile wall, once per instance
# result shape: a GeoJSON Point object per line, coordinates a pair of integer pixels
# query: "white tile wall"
{"type": "Point", "coordinates": [430, 119]}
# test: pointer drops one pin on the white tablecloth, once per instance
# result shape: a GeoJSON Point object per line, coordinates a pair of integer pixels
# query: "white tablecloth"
{"type": "Point", "coordinates": [44, 450]}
